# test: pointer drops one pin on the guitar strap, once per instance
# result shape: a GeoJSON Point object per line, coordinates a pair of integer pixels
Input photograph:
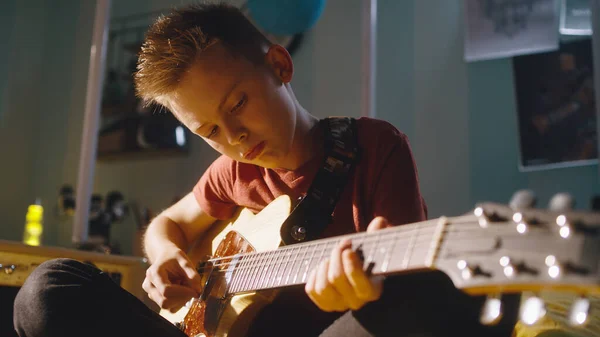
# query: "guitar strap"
{"type": "Point", "coordinates": [313, 212]}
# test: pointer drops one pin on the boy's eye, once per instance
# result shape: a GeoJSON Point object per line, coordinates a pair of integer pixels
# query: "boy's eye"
{"type": "Point", "coordinates": [213, 131]}
{"type": "Point", "coordinates": [239, 104]}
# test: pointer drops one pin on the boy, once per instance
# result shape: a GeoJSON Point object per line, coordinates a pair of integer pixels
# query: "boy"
{"type": "Point", "coordinates": [227, 84]}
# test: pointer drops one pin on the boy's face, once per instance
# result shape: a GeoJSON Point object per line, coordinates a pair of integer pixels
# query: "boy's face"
{"type": "Point", "coordinates": [242, 110]}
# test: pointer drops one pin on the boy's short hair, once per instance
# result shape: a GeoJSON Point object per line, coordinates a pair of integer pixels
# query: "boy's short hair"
{"type": "Point", "coordinates": [174, 41]}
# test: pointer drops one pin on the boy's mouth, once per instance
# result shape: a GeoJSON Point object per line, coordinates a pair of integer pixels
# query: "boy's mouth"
{"type": "Point", "coordinates": [255, 151]}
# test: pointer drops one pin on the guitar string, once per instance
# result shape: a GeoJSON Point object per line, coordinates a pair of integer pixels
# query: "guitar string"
{"type": "Point", "coordinates": [254, 261]}
{"type": "Point", "coordinates": [421, 247]}
{"type": "Point", "coordinates": [257, 266]}
{"type": "Point", "coordinates": [395, 230]}
{"type": "Point", "coordinates": [237, 289]}
{"type": "Point", "coordinates": [454, 229]}
{"type": "Point", "coordinates": [258, 263]}
{"type": "Point", "coordinates": [261, 256]}
{"type": "Point", "coordinates": [300, 276]}
{"type": "Point", "coordinates": [420, 250]}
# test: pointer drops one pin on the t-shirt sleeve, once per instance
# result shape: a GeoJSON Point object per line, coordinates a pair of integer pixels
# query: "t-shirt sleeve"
{"type": "Point", "coordinates": [397, 196]}
{"type": "Point", "coordinates": [214, 190]}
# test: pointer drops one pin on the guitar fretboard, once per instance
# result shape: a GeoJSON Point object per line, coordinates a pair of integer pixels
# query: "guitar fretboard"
{"type": "Point", "coordinates": [387, 251]}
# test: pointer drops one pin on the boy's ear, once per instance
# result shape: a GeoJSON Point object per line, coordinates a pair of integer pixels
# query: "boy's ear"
{"type": "Point", "coordinates": [280, 61]}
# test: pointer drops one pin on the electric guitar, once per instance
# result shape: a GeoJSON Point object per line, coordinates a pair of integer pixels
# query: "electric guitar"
{"type": "Point", "coordinates": [490, 251]}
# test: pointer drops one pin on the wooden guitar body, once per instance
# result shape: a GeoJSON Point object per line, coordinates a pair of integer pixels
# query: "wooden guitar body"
{"type": "Point", "coordinates": [218, 314]}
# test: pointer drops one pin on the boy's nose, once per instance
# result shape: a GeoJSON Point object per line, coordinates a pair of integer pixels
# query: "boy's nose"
{"type": "Point", "coordinates": [237, 137]}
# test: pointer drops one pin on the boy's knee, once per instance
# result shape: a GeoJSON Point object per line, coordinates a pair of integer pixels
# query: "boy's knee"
{"type": "Point", "coordinates": [58, 264]}
{"type": "Point", "coordinates": [40, 282]}
{"type": "Point", "coordinates": [56, 275]}
{"type": "Point", "coordinates": [54, 284]}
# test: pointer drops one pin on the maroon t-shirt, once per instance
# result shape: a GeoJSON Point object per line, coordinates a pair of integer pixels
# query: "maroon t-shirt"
{"type": "Point", "coordinates": [384, 183]}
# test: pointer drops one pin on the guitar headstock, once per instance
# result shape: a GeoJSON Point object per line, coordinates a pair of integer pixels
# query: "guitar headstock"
{"type": "Point", "coordinates": [496, 249]}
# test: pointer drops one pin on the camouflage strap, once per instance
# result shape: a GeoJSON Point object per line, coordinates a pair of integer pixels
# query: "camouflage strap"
{"type": "Point", "coordinates": [313, 212]}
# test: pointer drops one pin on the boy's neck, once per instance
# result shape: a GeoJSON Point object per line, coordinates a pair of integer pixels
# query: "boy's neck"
{"type": "Point", "coordinates": [308, 140]}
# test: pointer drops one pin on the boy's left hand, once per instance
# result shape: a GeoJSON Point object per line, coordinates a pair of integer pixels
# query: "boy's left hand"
{"type": "Point", "coordinates": [339, 283]}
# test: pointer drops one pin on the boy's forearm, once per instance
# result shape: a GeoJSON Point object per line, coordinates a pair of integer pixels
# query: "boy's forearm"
{"type": "Point", "coordinates": [163, 233]}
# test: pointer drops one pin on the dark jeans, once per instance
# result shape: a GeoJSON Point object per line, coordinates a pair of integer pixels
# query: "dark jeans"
{"type": "Point", "coordinates": [67, 298]}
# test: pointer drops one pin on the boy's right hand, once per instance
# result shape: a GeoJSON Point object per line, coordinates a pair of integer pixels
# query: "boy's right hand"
{"type": "Point", "coordinates": [172, 280]}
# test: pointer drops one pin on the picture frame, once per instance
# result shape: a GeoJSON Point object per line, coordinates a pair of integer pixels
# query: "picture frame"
{"type": "Point", "coordinates": [556, 106]}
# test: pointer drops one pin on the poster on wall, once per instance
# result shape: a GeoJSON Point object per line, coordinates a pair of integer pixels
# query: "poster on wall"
{"type": "Point", "coordinates": [505, 28]}
{"type": "Point", "coordinates": [556, 107]}
{"type": "Point", "coordinates": [575, 17]}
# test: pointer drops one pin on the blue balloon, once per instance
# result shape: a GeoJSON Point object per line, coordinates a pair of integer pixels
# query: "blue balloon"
{"type": "Point", "coordinates": [285, 17]}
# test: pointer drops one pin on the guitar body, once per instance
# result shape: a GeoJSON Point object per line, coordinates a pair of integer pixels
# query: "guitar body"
{"type": "Point", "coordinates": [217, 314]}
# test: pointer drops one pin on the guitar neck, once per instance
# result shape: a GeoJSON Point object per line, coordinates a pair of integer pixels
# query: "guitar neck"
{"type": "Point", "coordinates": [387, 251]}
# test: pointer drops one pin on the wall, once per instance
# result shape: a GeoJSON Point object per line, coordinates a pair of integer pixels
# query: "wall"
{"type": "Point", "coordinates": [7, 23]}
{"type": "Point", "coordinates": [460, 117]}
{"type": "Point", "coordinates": [21, 65]}
{"type": "Point", "coordinates": [441, 94]}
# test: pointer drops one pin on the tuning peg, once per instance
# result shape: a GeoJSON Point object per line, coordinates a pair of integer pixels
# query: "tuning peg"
{"type": "Point", "coordinates": [491, 312]}
{"type": "Point", "coordinates": [517, 217]}
{"type": "Point", "coordinates": [565, 232]}
{"type": "Point", "coordinates": [532, 310]}
{"type": "Point", "coordinates": [481, 217]}
{"type": "Point", "coordinates": [556, 268]}
{"type": "Point", "coordinates": [468, 271]}
{"type": "Point", "coordinates": [553, 266]}
{"type": "Point", "coordinates": [485, 217]}
{"type": "Point", "coordinates": [508, 268]}
{"type": "Point", "coordinates": [561, 220]}
{"type": "Point", "coordinates": [522, 228]}
{"type": "Point", "coordinates": [563, 224]}
{"type": "Point", "coordinates": [523, 199]}
{"type": "Point", "coordinates": [550, 260]}
{"type": "Point", "coordinates": [561, 202]}
{"type": "Point", "coordinates": [580, 311]}
{"type": "Point", "coordinates": [554, 271]}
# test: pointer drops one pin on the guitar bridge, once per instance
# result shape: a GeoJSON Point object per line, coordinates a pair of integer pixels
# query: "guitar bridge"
{"type": "Point", "coordinates": [204, 269]}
